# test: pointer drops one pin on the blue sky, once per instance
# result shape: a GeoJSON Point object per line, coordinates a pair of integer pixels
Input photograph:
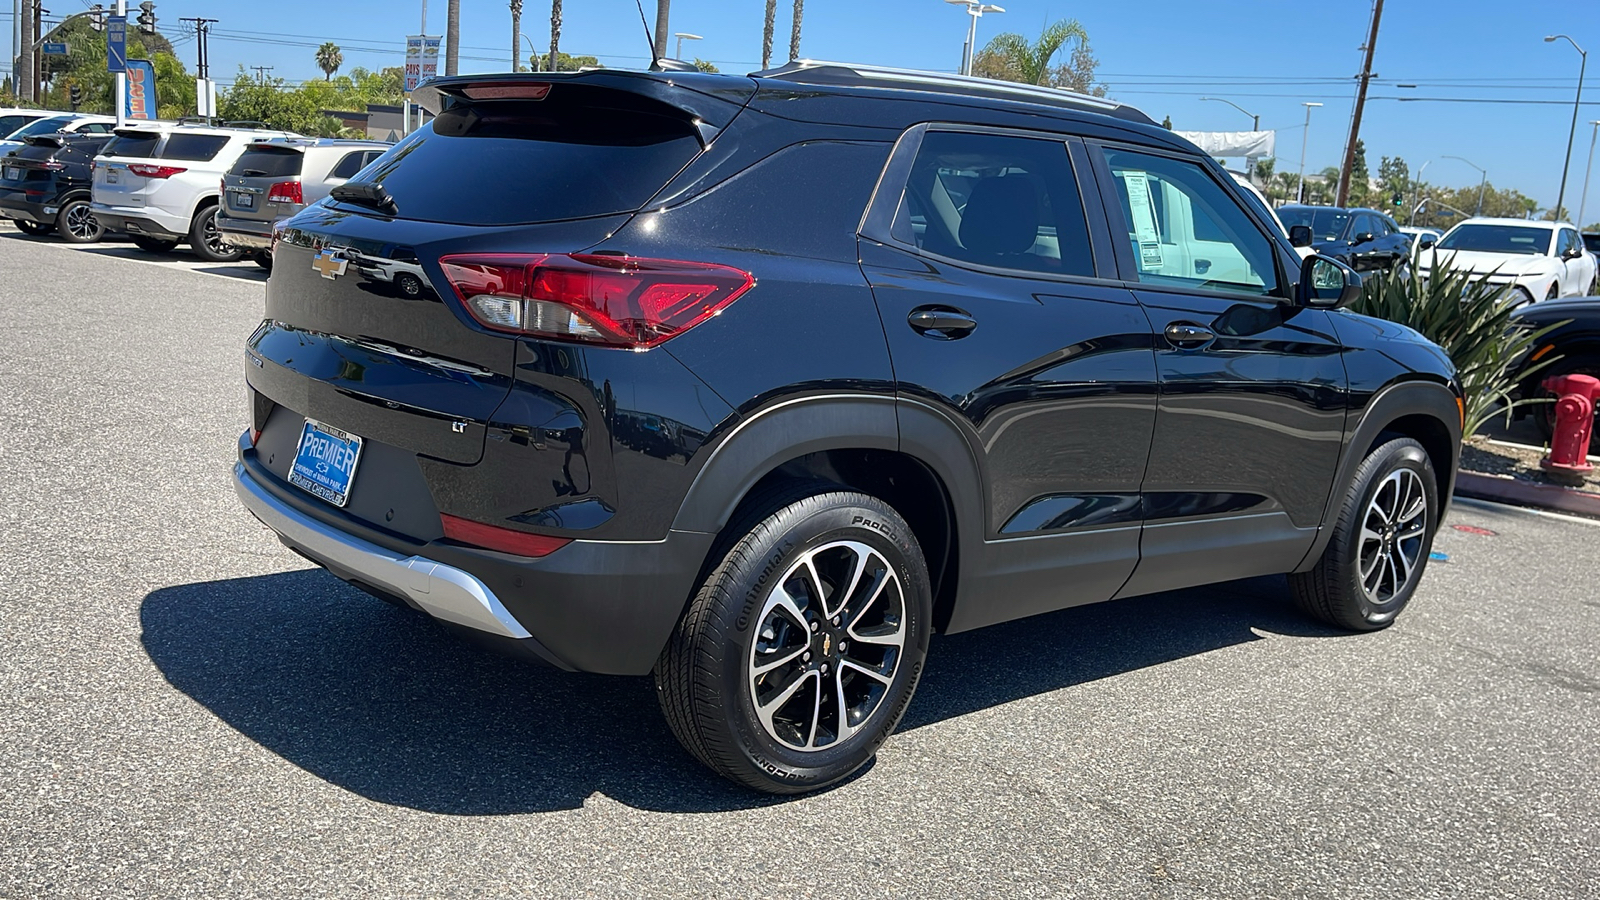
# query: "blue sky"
{"type": "Point", "coordinates": [1159, 55]}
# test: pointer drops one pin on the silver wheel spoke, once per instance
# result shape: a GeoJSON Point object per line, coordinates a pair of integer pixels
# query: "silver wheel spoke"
{"type": "Point", "coordinates": [886, 679]}
{"type": "Point", "coordinates": [791, 656]}
{"type": "Point", "coordinates": [1390, 544]}
{"type": "Point", "coordinates": [766, 710]}
{"type": "Point", "coordinates": [845, 728]}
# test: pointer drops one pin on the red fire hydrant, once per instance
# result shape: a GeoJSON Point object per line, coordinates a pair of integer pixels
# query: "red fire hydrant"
{"type": "Point", "coordinates": [1569, 444]}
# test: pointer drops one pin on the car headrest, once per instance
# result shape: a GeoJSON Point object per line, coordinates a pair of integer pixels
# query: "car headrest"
{"type": "Point", "coordinates": [1001, 216]}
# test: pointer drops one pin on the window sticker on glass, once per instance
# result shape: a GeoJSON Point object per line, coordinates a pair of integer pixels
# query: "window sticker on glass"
{"type": "Point", "coordinates": [1144, 218]}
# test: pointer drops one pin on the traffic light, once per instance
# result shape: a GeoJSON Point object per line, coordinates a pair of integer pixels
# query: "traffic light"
{"type": "Point", "coordinates": [75, 95]}
{"type": "Point", "coordinates": [1399, 199]}
{"type": "Point", "coordinates": [147, 17]}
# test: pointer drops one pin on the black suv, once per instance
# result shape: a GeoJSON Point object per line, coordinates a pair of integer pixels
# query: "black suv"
{"type": "Point", "coordinates": [44, 186]}
{"type": "Point", "coordinates": [755, 383]}
{"type": "Point", "coordinates": [1364, 239]}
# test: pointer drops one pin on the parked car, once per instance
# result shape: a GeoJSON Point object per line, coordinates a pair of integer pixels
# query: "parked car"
{"type": "Point", "coordinates": [1573, 348]}
{"type": "Point", "coordinates": [159, 182]}
{"type": "Point", "coordinates": [69, 123]}
{"type": "Point", "coordinates": [1591, 242]}
{"type": "Point", "coordinates": [44, 187]}
{"type": "Point", "coordinates": [1539, 260]}
{"type": "Point", "coordinates": [276, 178]}
{"type": "Point", "coordinates": [12, 119]}
{"type": "Point", "coordinates": [716, 380]}
{"type": "Point", "coordinates": [1421, 238]}
{"type": "Point", "coordinates": [1364, 239]}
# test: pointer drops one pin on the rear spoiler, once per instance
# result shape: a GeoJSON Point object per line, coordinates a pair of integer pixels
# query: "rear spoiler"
{"type": "Point", "coordinates": [709, 101]}
{"type": "Point", "coordinates": [46, 140]}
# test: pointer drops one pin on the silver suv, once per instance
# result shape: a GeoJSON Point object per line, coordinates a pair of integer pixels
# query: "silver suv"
{"type": "Point", "coordinates": [274, 179]}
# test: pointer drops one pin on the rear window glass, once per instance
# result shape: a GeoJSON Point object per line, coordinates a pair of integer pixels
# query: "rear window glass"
{"type": "Point", "coordinates": [9, 124]}
{"type": "Point", "coordinates": [263, 162]}
{"type": "Point", "coordinates": [43, 126]}
{"type": "Point", "coordinates": [133, 144]}
{"type": "Point", "coordinates": [196, 147]}
{"type": "Point", "coordinates": [512, 163]}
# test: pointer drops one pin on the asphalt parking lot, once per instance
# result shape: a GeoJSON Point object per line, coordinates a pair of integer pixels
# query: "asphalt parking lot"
{"type": "Point", "coordinates": [187, 710]}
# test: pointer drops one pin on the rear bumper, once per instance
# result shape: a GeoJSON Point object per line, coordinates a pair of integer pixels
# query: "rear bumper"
{"type": "Point", "coordinates": [251, 234]}
{"type": "Point", "coordinates": [593, 606]}
{"type": "Point", "coordinates": [18, 206]}
{"type": "Point", "coordinates": [134, 220]}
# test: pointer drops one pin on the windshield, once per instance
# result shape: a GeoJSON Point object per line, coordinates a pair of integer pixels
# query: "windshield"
{"type": "Point", "coordinates": [42, 126]}
{"type": "Point", "coordinates": [1521, 239]}
{"type": "Point", "coordinates": [1326, 224]}
{"type": "Point", "coordinates": [8, 124]}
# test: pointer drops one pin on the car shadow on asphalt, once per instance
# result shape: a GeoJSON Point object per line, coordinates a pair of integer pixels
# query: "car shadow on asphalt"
{"type": "Point", "coordinates": [382, 702]}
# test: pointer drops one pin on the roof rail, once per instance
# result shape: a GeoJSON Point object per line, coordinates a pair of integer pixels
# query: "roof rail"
{"type": "Point", "coordinates": [816, 71]}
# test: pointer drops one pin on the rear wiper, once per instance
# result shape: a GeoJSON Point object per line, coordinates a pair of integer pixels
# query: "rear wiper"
{"type": "Point", "coordinates": [366, 193]}
{"type": "Point", "coordinates": [252, 173]}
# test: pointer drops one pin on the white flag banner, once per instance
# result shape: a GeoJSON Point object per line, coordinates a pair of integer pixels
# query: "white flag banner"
{"type": "Point", "coordinates": [1248, 144]}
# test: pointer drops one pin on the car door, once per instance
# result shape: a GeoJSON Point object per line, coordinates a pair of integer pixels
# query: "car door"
{"type": "Point", "coordinates": [1577, 271]}
{"type": "Point", "coordinates": [979, 252]}
{"type": "Point", "coordinates": [1393, 243]}
{"type": "Point", "coordinates": [1366, 255]}
{"type": "Point", "coordinates": [1252, 403]}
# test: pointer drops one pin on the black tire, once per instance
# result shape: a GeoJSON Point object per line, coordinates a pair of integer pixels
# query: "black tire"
{"type": "Point", "coordinates": [207, 241]}
{"type": "Point", "coordinates": [706, 678]}
{"type": "Point", "coordinates": [77, 225]}
{"type": "Point", "coordinates": [1554, 293]}
{"type": "Point", "coordinates": [153, 245]}
{"type": "Point", "coordinates": [1544, 414]}
{"type": "Point", "coordinates": [1339, 589]}
{"type": "Point", "coordinates": [32, 229]}
{"type": "Point", "coordinates": [264, 260]}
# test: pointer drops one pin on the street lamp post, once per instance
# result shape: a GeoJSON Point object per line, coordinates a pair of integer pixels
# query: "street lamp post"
{"type": "Point", "coordinates": [683, 36]}
{"type": "Point", "coordinates": [1566, 161]}
{"type": "Point", "coordinates": [975, 9]}
{"type": "Point", "coordinates": [1305, 139]}
{"type": "Point", "coordinates": [1482, 183]}
{"type": "Point", "coordinates": [1583, 201]}
{"type": "Point", "coordinates": [1418, 181]}
{"type": "Point", "coordinates": [1255, 119]}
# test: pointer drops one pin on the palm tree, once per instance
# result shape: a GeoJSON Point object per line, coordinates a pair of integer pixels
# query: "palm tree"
{"type": "Point", "coordinates": [329, 59]}
{"type": "Point", "coordinates": [766, 35]}
{"type": "Point", "coordinates": [662, 10]}
{"type": "Point", "coordinates": [452, 36]}
{"type": "Point", "coordinates": [1011, 57]}
{"type": "Point", "coordinates": [516, 31]}
{"type": "Point", "coordinates": [794, 34]}
{"type": "Point", "coordinates": [555, 34]}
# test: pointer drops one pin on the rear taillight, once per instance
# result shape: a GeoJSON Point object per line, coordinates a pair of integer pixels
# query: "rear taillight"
{"type": "Point", "coordinates": [617, 301]}
{"type": "Point", "coordinates": [150, 171]}
{"type": "Point", "coordinates": [52, 165]}
{"type": "Point", "coordinates": [492, 537]}
{"type": "Point", "coordinates": [286, 192]}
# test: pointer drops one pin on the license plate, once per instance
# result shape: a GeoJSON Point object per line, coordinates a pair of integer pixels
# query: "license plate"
{"type": "Point", "coordinates": [243, 200]}
{"type": "Point", "coordinates": [111, 176]}
{"type": "Point", "coordinates": [11, 173]}
{"type": "Point", "coordinates": [325, 462]}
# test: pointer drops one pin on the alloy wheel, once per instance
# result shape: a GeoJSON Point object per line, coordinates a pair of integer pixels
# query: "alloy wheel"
{"type": "Point", "coordinates": [1392, 532]}
{"type": "Point", "coordinates": [81, 223]}
{"type": "Point", "coordinates": [828, 645]}
{"type": "Point", "coordinates": [213, 237]}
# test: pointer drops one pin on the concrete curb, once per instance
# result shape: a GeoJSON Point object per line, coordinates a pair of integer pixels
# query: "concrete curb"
{"type": "Point", "coordinates": [1504, 489]}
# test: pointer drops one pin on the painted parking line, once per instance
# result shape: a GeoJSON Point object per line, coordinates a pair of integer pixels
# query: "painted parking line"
{"type": "Point", "coordinates": [181, 259]}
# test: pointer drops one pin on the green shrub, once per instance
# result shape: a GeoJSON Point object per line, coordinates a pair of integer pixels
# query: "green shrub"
{"type": "Point", "coordinates": [1468, 317]}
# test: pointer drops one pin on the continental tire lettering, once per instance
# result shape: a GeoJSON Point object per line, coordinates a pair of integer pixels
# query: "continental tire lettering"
{"type": "Point", "coordinates": [879, 527]}
{"type": "Point", "coordinates": [753, 596]}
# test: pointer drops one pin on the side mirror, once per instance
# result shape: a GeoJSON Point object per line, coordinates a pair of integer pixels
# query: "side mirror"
{"type": "Point", "coordinates": [1365, 237]}
{"type": "Point", "coordinates": [1328, 284]}
{"type": "Point", "coordinates": [1572, 253]}
{"type": "Point", "coordinates": [1300, 235]}
{"type": "Point", "coordinates": [1426, 241]}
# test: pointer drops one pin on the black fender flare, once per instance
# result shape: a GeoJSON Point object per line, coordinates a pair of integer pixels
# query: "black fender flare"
{"type": "Point", "coordinates": [1395, 401]}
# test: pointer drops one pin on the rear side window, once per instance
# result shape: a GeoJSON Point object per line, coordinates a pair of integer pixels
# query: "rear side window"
{"type": "Point", "coordinates": [194, 147]}
{"type": "Point", "coordinates": [508, 163]}
{"type": "Point", "coordinates": [268, 162]}
{"type": "Point", "coordinates": [999, 201]}
{"type": "Point", "coordinates": [350, 164]}
{"type": "Point", "coordinates": [9, 124]}
{"type": "Point", "coordinates": [133, 144]}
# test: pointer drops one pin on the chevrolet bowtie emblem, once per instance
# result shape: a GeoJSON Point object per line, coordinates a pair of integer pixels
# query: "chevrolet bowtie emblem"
{"type": "Point", "coordinates": [329, 263]}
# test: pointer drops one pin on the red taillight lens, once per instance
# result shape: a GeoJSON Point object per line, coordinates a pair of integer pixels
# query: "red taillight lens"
{"type": "Point", "coordinates": [286, 192]}
{"type": "Point", "coordinates": [53, 166]}
{"type": "Point", "coordinates": [617, 301]}
{"type": "Point", "coordinates": [150, 171]}
{"type": "Point", "coordinates": [491, 537]}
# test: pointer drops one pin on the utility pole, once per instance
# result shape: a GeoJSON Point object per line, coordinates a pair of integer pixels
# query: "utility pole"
{"type": "Point", "coordinates": [36, 55]}
{"type": "Point", "coordinates": [452, 36]}
{"type": "Point", "coordinates": [1348, 168]}
{"type": "Point", "coordinates": [205, 94]}
{"type": "Point", "coordinates": [22, 71]}
{"type": "Point", "coordinates": [261, 72]}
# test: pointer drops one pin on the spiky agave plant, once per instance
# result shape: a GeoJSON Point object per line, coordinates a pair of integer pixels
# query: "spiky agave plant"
{"type": "Point", "coordinates": [1467, 316]}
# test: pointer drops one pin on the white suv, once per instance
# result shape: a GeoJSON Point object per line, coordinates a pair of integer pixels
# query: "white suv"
{"type": "Point", "coordinates": [159, 182]}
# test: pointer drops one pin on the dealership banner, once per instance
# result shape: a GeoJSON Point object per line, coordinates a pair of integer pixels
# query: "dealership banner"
{"type": "Point", "coordinates": [141, 99]}
{"type": "Point", "coordinates": [422, 59]}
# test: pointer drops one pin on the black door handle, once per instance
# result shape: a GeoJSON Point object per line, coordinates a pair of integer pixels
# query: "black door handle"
{"type": "Point", "coordinates": [1189, 336]}
{"type": "Point", "coordinates": [941, 322]}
